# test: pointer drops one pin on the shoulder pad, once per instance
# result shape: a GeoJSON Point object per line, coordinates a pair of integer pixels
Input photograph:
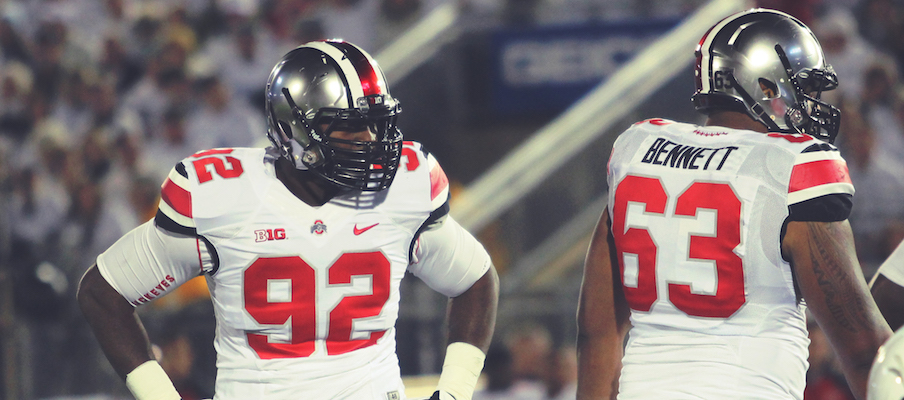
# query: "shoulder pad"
{"type": "Point", "coordinates": [818, 170]}
{"type": "Point", "coordinates": [174, 213]}
{"type": "Point", "coordinates": [187, 192]}
{"type": "Point", "coordinates": [416, 158]}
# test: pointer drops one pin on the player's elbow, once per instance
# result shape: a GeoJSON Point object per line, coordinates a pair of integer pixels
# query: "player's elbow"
{"type": "Point", "coordinates": [860, 352]}
{"type": "Point", "coordinates": [589, 328]}
{"type": "Point", "coordinates": [599, 317]}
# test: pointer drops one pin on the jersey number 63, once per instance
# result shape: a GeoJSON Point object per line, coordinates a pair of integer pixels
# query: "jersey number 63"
{"type": "Point", "coordinates": [729, 294]}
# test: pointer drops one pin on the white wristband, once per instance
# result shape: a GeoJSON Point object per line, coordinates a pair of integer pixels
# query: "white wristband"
{"type": "Point", "coordinates": [148, 381]}
{"type": "Point", "coordinates": [461, 368]}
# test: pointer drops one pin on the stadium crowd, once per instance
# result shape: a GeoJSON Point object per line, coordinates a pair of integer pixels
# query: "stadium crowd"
{"type": "Point", "coordinates": [99, 99]}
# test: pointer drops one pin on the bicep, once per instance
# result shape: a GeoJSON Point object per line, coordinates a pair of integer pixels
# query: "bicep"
{"type": "Point", "coordinates": [602, 303]}
{"type": "Point", "coordinates": [95, 293]}
{"type": "Point", "coordinates": [149, 262]}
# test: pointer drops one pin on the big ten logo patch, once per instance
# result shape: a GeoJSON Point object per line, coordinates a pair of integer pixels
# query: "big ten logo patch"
{"type": "Point", "coordinates": [263, 235]}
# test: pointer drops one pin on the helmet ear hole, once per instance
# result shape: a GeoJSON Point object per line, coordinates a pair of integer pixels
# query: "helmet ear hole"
{"type": "Point", "coordinates": [286, 129]}
{"type": "Point", "coordinates": [769, 88]}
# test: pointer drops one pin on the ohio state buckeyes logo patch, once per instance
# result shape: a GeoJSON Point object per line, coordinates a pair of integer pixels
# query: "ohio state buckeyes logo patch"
{"type": "Point", "coordinates": [318, 228]}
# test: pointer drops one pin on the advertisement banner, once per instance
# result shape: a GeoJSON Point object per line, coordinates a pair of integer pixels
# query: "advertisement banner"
{"type": "Point", "coordinates": [547, 68]}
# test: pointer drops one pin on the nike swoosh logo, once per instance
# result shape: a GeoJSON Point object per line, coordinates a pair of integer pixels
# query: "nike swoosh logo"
{"type": "Point", "coordinates": [364, 229]}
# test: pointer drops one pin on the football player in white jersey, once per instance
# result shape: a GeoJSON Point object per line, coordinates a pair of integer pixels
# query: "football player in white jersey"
{"type": "Point", "coordinates": [303, 246]}
{"type": "Point", "coordinates": [886, 377]}
{"type": "Point", "coordinates": [717, 238]}
{"type": "Point", "coordinates": [887, 288]}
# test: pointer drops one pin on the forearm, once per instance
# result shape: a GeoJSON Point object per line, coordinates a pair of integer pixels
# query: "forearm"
{"type": "Point", "coordinates": [836, 293]}
{"type": "Point", "coordinates": [472, 315]}
{"type": "Point", "coordinates": [599, 366]}
{"type": "Point", "coordinates": [116, 326]}
{"type": "Point", "coordinates": [600, 345]}
{"type": "Point", "coordinates": [603, 318]}
{"type": "Point", "coordinates": [856, 366]}
{"type": "Point", "coordinates": [472, 319]}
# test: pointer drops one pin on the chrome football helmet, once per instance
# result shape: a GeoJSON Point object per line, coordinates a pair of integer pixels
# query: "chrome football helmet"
{"type": "Point", "coordinates": [332, 85]}
{"type": "Point", "coordinates": [769, 65]}
{"type": "Point", "coordinates": [886, 376]}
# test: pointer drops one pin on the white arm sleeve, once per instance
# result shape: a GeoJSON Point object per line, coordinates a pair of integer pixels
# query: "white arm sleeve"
{"type": "Point", "coordinates": [149, 262]}
{"type": "Point", "coordinates": [449, 259]}
{"type": "Point", "coordinates": [893, 267]}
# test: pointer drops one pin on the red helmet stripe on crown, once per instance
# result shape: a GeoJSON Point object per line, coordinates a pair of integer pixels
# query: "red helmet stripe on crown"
{"type": "Point", "coordinates": [371, 81]}
{"type": "Point", "coordinates": [698, 70]}
{"type": "Point", "coordinates": [703, 39]}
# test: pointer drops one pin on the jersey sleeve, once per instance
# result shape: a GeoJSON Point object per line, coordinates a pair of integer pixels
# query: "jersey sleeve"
{"type": "Point", "coordinates": [820, 188]}
{"type": "Point", "coordinates": [174, 212]}
{"type": "Point", "coordinates": [893, 267]}
{"type": "Point", "coordinates": [149, 262]}
{"type": "Point", "coordinates": [448, 258]}
{"type": "Point", "coordinates": [439, 187]}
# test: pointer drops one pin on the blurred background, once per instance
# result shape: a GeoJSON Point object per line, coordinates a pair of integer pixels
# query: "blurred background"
{"type": "Point", "coordinates": [519, 100]}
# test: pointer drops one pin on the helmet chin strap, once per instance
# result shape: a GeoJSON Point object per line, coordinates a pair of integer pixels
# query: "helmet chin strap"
{"type": "Point", "coordinates": [302, 158]}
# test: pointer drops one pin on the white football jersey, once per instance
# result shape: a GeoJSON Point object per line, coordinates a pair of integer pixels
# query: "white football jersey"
{"type": "Point", "coordinates": [305, 297]}
{"type": "Point", "coordinates": [893, 266]}
{"type": "Point", "coordinates": [697, 215]}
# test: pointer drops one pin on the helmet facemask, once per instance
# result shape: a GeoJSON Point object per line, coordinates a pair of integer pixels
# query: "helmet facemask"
{"type": "Point", "coordinates": [363, 165]}
{"type": "Point", "coordinates": [812, 115]}
{"type": "Point", "coordinates": [805, 112]}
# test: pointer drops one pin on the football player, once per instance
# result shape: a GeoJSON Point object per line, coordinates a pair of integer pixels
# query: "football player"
{"type": "Point", "coordinates": [886, 376]}
{"type": "Point", "coordinates": [303, 246]}
{"type": "Point", "coordinates": [887, 288]}
{"type": "Point", "coordinates": [717, 238]}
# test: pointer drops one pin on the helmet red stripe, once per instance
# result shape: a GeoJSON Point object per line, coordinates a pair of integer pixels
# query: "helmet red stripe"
{"type": "Point", "coordinates": [698, 68]}
{"type": "Point", "coordinates": [371, 81]}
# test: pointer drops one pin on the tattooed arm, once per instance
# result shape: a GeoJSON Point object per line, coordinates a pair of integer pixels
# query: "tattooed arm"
{"type": "Point", "coordinates": [832, 284]}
